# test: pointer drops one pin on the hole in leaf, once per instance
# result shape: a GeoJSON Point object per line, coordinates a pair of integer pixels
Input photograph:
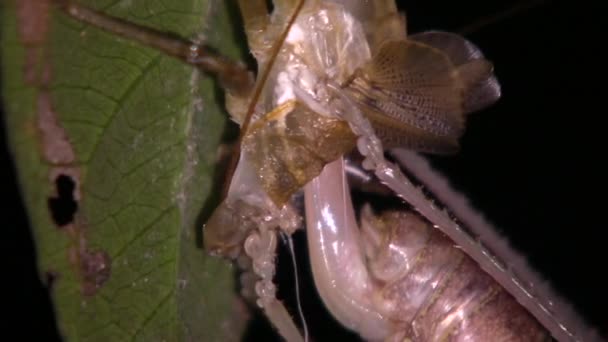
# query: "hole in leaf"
{"type": "Point", "coordinates": [64, 206]}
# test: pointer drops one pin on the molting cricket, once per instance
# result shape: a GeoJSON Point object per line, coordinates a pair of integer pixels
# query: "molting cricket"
{"type": "Point", "coordinates": [339, 86]}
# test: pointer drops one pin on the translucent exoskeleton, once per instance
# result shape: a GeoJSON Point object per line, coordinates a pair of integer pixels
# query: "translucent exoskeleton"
{"type": "Point", "coordinates": [337, 77]}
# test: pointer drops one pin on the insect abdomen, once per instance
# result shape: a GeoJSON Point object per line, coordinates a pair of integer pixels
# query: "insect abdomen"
{"type": "Point", "coordinates": [434, 292]}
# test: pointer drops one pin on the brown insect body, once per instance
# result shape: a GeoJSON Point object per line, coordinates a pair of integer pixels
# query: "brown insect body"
{"type": "Point", "coordinates": [415, 93]}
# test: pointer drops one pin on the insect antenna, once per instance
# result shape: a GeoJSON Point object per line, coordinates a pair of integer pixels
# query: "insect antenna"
{"type": "Point", "coordinates": [289, 241]}
{"type": "Point", "coordinates": [500, 16]}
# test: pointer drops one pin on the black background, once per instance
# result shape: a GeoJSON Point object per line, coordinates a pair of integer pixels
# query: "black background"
{"type": "Point", "coordinates": [531, 163]}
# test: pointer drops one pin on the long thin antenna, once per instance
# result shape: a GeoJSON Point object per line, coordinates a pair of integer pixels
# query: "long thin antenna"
{"type": "Point", "coordinates": [500, 16]}
{"type": "Point", "coordinates": [297, 280]}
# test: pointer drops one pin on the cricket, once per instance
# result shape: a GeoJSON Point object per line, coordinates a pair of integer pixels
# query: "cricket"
{"type": "Point", "coordinates": [344, 96]}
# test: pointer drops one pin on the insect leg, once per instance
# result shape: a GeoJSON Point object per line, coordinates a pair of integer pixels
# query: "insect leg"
{"type": "Point", "coordinates": [233, 76]}
{"type": "Point", "coordinates": [261, 247]}
{"type": "Point", "coordinates": [336, 256]}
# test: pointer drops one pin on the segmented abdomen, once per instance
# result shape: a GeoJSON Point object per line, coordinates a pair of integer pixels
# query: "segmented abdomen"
{"type": "Point", "coordinates": [433, 291]}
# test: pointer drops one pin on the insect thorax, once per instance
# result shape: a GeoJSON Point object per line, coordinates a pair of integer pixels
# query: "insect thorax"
{"type": "Point", "coordinates": [296, 127]}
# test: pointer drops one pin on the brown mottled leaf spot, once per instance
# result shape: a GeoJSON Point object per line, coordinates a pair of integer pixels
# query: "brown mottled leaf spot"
{"type": "Point", "coordinates": [95, 267]}
{"type": "Point", "coordinates": [56, 147]}
{"type": "Point", "coordinates": [33, 17]}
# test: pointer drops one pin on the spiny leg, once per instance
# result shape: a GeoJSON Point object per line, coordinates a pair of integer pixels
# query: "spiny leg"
{"type": "Point", "coordinates": [261, 247]}
{"type": "Point", "coordinates": [233, 76]}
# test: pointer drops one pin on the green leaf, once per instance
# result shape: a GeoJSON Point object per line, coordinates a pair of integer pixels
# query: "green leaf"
{"type": "Point", "coordinates": [136, 133]}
